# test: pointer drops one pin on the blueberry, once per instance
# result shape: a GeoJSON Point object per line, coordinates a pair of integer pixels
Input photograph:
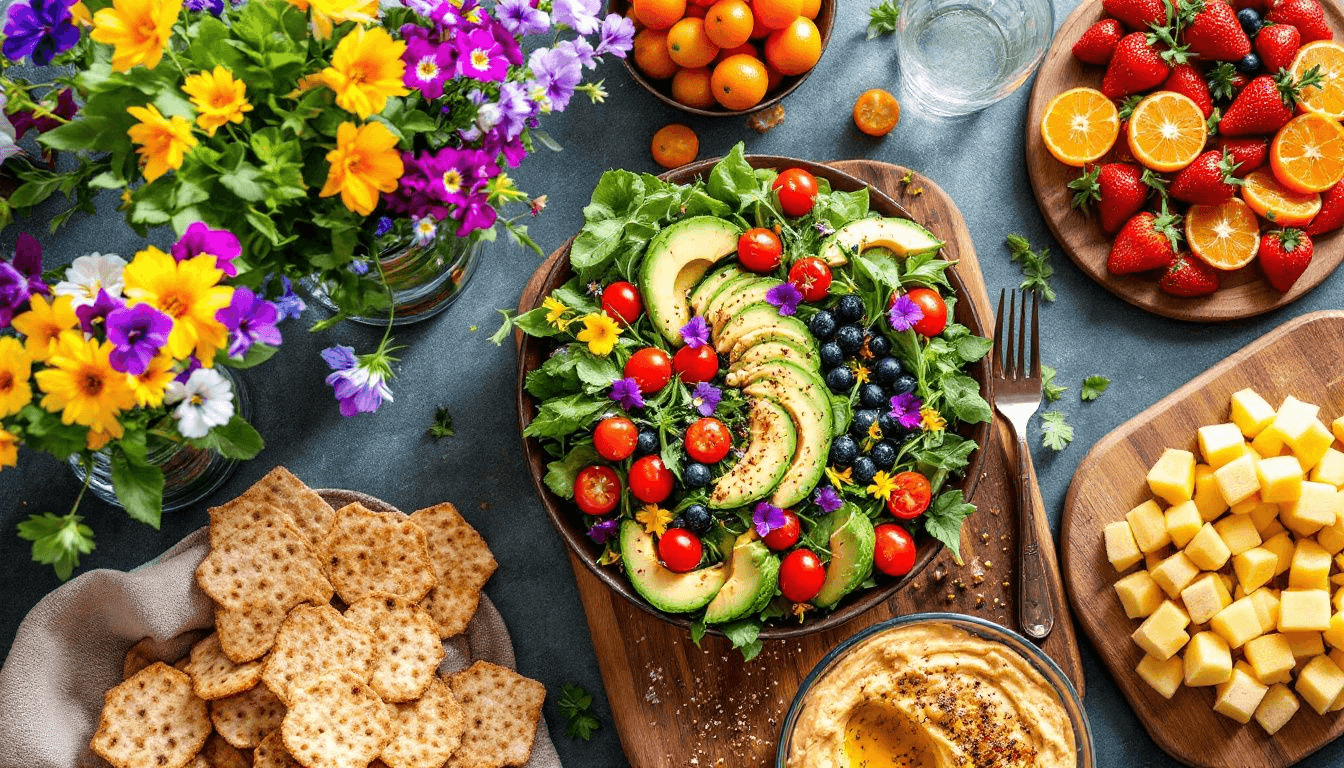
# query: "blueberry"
{"type": "Point", "coordinates": [863, 421]}
{"type": "Point", "coordinates": [886, 370]}
{"type": "Point", "coordinates": [849, 309]}
{"type": "Point", "coordinates": [872, 396]}
{"type": "Point", "coordinates": [879, 344]}
{"type": "Point", "coordinates": [904, 384]}
{"type": "Point", "coordinates": [1249, 65]}
{"type": "Point", "coordinates": [843, 451]}
{"type": "Point", "coordinates": [850, 338]}
{"type": "Point", "coordinates": [822, 324]}
{"type": "Point", "coordinates": [678, 522]}
{"type": "Point", "coordinates": [863, 471]}
{"type": "Point", "coordinates": [883, 456]}
{"type": "Point", "coordinates": [698, 519]}
{"type": "Point", "coordinates": [890, 425]}
{"type": "Point", "coordinates": [647, 443]}
{"type": "Point", "coordinates": [695, 475]}
{"type": "Point", "coordinates": [1250, 21]}
{"type": "Point", "coordinates": [831, 355]}
{"type": "Point", "coordinates": [840, 379]}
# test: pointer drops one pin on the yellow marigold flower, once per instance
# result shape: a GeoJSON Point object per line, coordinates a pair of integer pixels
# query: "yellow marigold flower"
{"type": "Point", "coordinates": [860, 372]}
{"type": "Point", "coordinates": [365, 70]}
{"type": "Point", "coordinates": [600, 332]}
{"type": "Point", "coordinates": [163, 141]}
{"type": "Point", "coordinates": [84, 387]}
{"type": "Point", "coordinates": [186, 291]}
{"type": "Point", "coordinates": [364, 163]}
{"type": "Point", "coordinates": [43, 324]}
{"type": "Point", "coordinates": [79, 14]}
{"type": "Point", "coordinates": [654, 519]}
{"type": "Point", "coordinates": [840, 477]}
{"type": "Point", "coordinates": [555, 312]}
{"type": "Point", "coordinates": [931, 420]}
{"type": "Point", "coordinates": [874, 433]}
{"type": "Point", "coordinates": [9, 448]}
{"type": "Point", "coordinates": [219, 98]}
{"type": "Point", "coordinates": [150, 386]}
{"type": "Point", "coordinates": [97, 439]}
{"type": "Point", "coordinates": [137, 29]}
{"type": "Point", "coordinates": [16, 366]}
{"type": "Point", "coordinates": [882, 487]}
{"type": "Point", "coordinates": [328, 13]}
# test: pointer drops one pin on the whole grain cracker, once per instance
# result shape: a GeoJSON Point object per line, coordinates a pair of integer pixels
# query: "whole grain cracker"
{"type": "Point", "coordinates": [271, 753]}
{"type": "Point", "coordinates": [502, 707]}
{"type": "Point", "coordinates": [140, 655]}
{"type": "Point", "coordinates": [407, 650]}
{"type": "Point", "coordinates": [316, 639]}
{"type": "Point", "coordinates": [152, 720]}
{"type": "Point", "coordinates": [244, 719]}
{"type": "Point", "coordinates": [172, 651]}
{"type": "Point", "coordinates": [248, 633]}
{"type": "Point", "coordinates": [427, 731]}
{"type": "Point", "coordinates": [336, 722]}
{"type": "Point", "coordinates": [452, 607]}
{"type": "Point", "coordinates": [279, 493]}
{"type": "Point", "coordinates": [263, 566]}
{"type": "Point", "coordinates": [218, 753]}
{"type": "Point", "coordinates": [214, 675]}
{"type": "Point", "coordinates": [463, 563]}
{"type": "Point", "coordinates": [367, 552]}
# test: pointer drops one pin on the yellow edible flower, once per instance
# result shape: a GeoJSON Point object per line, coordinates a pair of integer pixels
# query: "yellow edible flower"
{"type": "Point", "coordinates": [328, 13]}
{"type": "Point", "coordinates": [366, 70]}
{"type": "Point", "coordinates": [9, 448]}
{"type": "Point", "coordinates": [84, 387]}
{"type": "Point", "coordinates": [138, 30]}
{"type": "Point", "coordinates": [600, 332]}
{"type": "Point", "coordinates": [931, 420]}
{"type": "Point", "coordinates": [16, 366]}
{"type": "Point", "coordinates": [860, 372]}
{"type": "Point", "coordinates": [80, 16]}
{"type": "Point", "coordinates": [163, 141]}
{"type": "Point", "coordinates": [840, 477]}
{"type": "Point", "coordinates": [654, 519]}
{"type": "Point", "coordinates": [219, 98]}
{"type": "Point", "coordinates": [882, 487]}
{"type": "Point", "coordinates": [43, 324]}
{"type": "Point", "coordinates": [364, 163]}
{"type": "Point", "coordinates": [188, 292]}
{"type": "Point", "coordinates": [555, 312]}
{"type": "Point", "coordinates": [150, 386]}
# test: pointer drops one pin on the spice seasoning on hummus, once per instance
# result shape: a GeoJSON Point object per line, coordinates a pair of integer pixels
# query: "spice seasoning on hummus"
{"type": "Point", "coordinates": [932, 696]}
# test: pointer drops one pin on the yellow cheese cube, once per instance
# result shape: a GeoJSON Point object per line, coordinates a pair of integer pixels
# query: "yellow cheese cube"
{"type": "Point", "coordinates": [1280, 479]}
{"type": "Point", "coordinates": [1338, 428]}
{"type": "Point", "coordinates": [1262, 515]}
{"type": "Point", "coordinates": [1163, 633]}
{"type": "Point", "coordinates": [1271, 657]}
{"type": "Point", "coordinates": [1274, 528]}
{"type": "Point", "coordinates": [1221, 443]}
{"type": "Point", "coordinates": [1238, 622]}
{"type": "Point", "coordinates": [1294, 417]}
{"type": "Point", "coordinates": [1149, 525]}
{"type": "Point", "coordinates": [1183, 522]}
{"type": "Point", "coordinates": [1282, 546]}
{"type": "Point", "coordinates": [1139, 594]}
{"type": "Point", "coordinates": [1276, 709]}
{"type": "Point", "coordinates": [1303, 610]}
{"type": "Point", "coordinates": [1164, 676]}
{"type": "Point", "coordinates": [1208, 498]}
{"type": "Point", "coordinates": [1172, 478]}
{"type": "Point", "coordinates": [1239, 697]}
{"type": "Point", "coordinates": [1337, 602]}
{"type": "Point", "coordinates": [1268, 443]}
{"type": "Point", "coordinates": [1203, 598]}
{"type": "Point", "coordinates": [1266, 608]}
{"type": "Point", "coordinates": [1238, 533]}
{"type": "Point", "coordinates": [1153, 559]}
{"type": "Point", "coordinates": [1305, 644]}
{"type": "Point", "coordinates": [1331, 537]}
{"type": "Point", "coordinates": [1174, 574]}
{"type": "Point", "coordinates": [1251, 412]}
{"type": "Point", "coordinates": [1320, 683]}
{"type": "Point", "coordinates": [1335, 634]}
{"type": "Point", "coordinates": [1310, 568]}
{"type": "Point", "coordinates": [1311, 446]}
{"type": "Point", "coordinates": [1255, 567]}
{"type": "Point", "coordinates": [1237, 480]}
{"type": "Point", "coordinates": [1313, 509]}
{"type": "Point", "coordinates": [1337, 656]}
{"type": "Point", "coordinates": [1121, 549]}
{"type": "Point", "coordinates": [1330, 469]}
{"type": "Point", "coordinates": [1208, 660]}
{"type": "Point", "coordinates": [1207, 549]}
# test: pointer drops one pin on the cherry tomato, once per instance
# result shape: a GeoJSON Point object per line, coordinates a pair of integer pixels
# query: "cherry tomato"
{"type": "Point", "coordinates": [934, 309]}
{"type": "Point", "coordinates": [680, 550]}
{"type": "Point", "coordinates": [759, 250]}
{"type": "Point", "coordinates": [615, 438]}
{"type": "Point", "coordinates": [708, 440]}
{"type": "Point", "coordinates": [812, 277]}
{"type": "Point", "coordinates": [621, 301]}
{"type": "Point", "coordinates": [911, 496]}
{"type": "Point", "coordinates": [786, 535]}
{"type": "Point", "coordinates": [597, 489]}
{"type": "Point", "coordinates": [650, 481]}
{"type": "Point", "coordinates": [651, 368]}
{"type": "Point", "coordinates": [797, 191]}
{"type": "Point", "coordinates": [696, 365]}
{"type": "Point", "coordinates": [894, 554]}
{"type": "Point", "coordinates": [801, 575]}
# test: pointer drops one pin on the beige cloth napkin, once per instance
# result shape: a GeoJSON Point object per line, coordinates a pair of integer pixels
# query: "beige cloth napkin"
{"type": "Point", "coordinates": [70, 648]}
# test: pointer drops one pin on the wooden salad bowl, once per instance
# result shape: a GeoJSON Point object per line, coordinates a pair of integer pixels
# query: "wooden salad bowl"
{"type": "Point", "coordinates": [566, 518]}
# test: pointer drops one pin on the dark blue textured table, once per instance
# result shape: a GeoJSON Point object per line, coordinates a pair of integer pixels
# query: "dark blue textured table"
{"type": "Point", "coordinates": [450, 362]}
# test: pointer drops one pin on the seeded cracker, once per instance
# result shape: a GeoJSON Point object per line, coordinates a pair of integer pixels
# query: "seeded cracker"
{"type": "Point", "coordinates": [314, 640]}
{"type": "Point", "coordinates": [218, 753]}
{"type": "Point", "coordinates": [152, 720]}
{"type": "Point", "coordinates": [462, 562]}
{"type": "Point", "coordinates": [425, 732]}
{"type": "Point", "coordinates": [367, 552]}
{"type": "Point", "coordinates": [279, 492]}
{"type": "Point", "coordinates": [337, 722]}
{"type": "Point", "coordinates": [407, 650]}
{"type": "Point", "coordinates": [248, 633]}
{"type": "Point", "coordinates": [503, 708]}
{"type": "Point", "coordinates": [271, 753]}
{"type": "Point", "coordinates": [214, 675]}
{"type": "Point", "coordinates": [263, 566]}
{"type": "Point", "coordinates": [140, 655]}
{"type": "Point", "coordinates": [245, 718]}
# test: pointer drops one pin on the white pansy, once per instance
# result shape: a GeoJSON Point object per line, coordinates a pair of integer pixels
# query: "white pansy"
{"type": "Point", "coordinates": [89, 274]}
{"type": "Point", "coordinates": [423, 230]}
{"type": "Point", "coordinates": [205, 401]}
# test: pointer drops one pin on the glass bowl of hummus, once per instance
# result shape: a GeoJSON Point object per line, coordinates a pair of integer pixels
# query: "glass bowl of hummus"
{"type": "Point", "coordinates": [936, 690]}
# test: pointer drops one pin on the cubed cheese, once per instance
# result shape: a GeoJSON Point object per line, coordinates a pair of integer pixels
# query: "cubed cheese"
{"type": "Point", "coordinates": [1254, 568]}
{"type": "Point", "coordinates": [1337, 602]}
{"type": "Point", "coordinates": [1149, 525]}
{"type": "Point", "coordinates": [1172, 478]}
{"type": "Point", "coordinates": [1294, 417]}
{"type": "Point", "coordinates": [1163, 633]}
{"type": "Point", "coordinates": [1305, 644]}
{"type": "Point", "coordinates": [1251, 412]}
{"type": "Point", "coordinates": [1208, 497]}
{"type": "Point", "coordinates": [1282, 546]}
{"type": "Point", "coordinates": [1139, 594]}
{"type": "Point", "coordinates": [1221, 443]}
{"type": "Point", "coordinates": [1268, 443]}
{"type": "Point", "coordinates": [1303, 610]}
{"type": "Point", "coordinates": [1338, 428]}
{"type": "Point", "coordinates": [1319, 683]}
{"type": "Point", "coordinates": [1238, 533]}
{"type": "Point", "coordinates": [1276, 709]}
{"type": "Point", "coordinates": [1311, 446]}
{"type": "Point", "coordinates": [1271, 657]}
{"type": "Point", "coordinates": [1183, 522]}
{"type": "Point", "coordinates": [1121, 549]}
{"type": "Point", "coordinates": [1238, 622]}
{"type": "Point", "coordinates": [1331, 537]}
{"type": "Point", "coordinates": [1174, 574]}
{"type": "Point", "coordinates": [1310, 568]}
{"type": "Point", "coordinates": [1265, 516]}
{"type": "Point", "coordinates": [1208, 660]}
{"type": "Point", "coordinates": [1237, 480]}
{"type": "Point", "coordinates": [1280, 479]}
{"type": "Point", "coordinates": [1335, 634]}
{"type": "Point", "coordinates": [1203, 598]}
{"type": "Point", "coordinates": [1266, 608]}
{"type": "Point", "coordinates": [1207, 549]}
{"type": "Point", "coordinates": [1164, 676]}
{"type": "Point", "coordinates": [1330, 469]}
{"type": "Point", "coordinates": [1239, 697]}
{"type": "Point", "coordinates": [1312, 510]}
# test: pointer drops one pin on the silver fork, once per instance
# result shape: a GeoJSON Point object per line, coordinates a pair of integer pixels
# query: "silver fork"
{"type": "Point", "coordinates": [1017, 395]}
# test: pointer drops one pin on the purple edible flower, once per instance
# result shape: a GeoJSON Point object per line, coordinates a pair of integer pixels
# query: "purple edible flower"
{"type": "Point", "coordinates": [558, 72]}
{"type": "Point", "coordinates": [521, 18]}
{"type": "Point", "coordinates": [695, 333]}
{"type": "Point", "coordinates": [22, 278]}
{"type": "Point", "coordinates": [40, 29]}
{"type": "Point", "coordinates": [905, 409]}
{"type": "Point", "coordinates": [786, 296]}
{"type": "Point", "coordinates": [481, 57]}
{"type": "Point", "coordinates": [289, 304]}
{"type": "Point", "coordinates": [904, 314]}
{"type": "Point", "coordinates": [706, 397]}
{"type": "Point", "coordinates": [26, 121]}
{"type": "Point", "coordinates": [220, 243]}
{"type": "Point", "coordinates": [514, 109]}
{"type": "Point", "coordinates": [824, 227]}
{"type": "Point", "coordinates": [250, 320]}
{"type": "Point", "coordinates": [384, 226]}
{"type": "Point", "coordinates": [215, 7]}
{"type": "Point", "coordinates": [428, 66]}
{"type": "Point", "coordinates": [827, 499]}
{"type": "Point", "coordinates": [626, 392]}
{"type": "Point", "coordinates": [359, 267]}
{"type": "Point", "coordinates": [617, 36]}
{"type": "Point", "coordinates": [579, 15]}
{"type": "Point", "coordinates": [582, 50]}
{"type": "Point", "coordinates": [767, 517]}
{"type": "Point", "coordinates": [90, 315]}
{"type": "Point", "coordinates": [603, 530]}
{"type": "Point", "coordinates": [137, 334]}
{"type": "Point", "coordinates": [360, 383]}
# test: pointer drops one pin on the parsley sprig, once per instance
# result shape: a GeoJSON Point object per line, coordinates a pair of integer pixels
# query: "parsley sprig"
{"type": "Point", "coordinates": [882, 18]}
{"type": "Point", "coordinates": [443, 424]}
{"type": "Point", "coordinates": [1056, 432]}
{"type": "Point", "coordinates": [575, 704]}
{"type": "Point", "coordinates": [1094, 386]}
{"type": "Point", "coordinates": [1036, 267]}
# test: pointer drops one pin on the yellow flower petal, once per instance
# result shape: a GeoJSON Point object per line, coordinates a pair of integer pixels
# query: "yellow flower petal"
{"type": "Point", "coordinates": [654, 519]}
{"type": "Point", "coordinates": [16, 367]}
{"type": "Point", "coordinates": [600, 333]}
{"type": "Point", "coordinates": [163, 141]}
{"type": "Point", "coordinates": [44, 323]}
{"type": "Point", "coordinates": [138, 30]}
{"type": "Point", "coordinates": [83, 386]}
{"type": "Point", "coordinates": [364, 163]}
{"type": "Point", "coordinates": [219, 98]}
{"type": "Point", "coordinates": [366, 70]}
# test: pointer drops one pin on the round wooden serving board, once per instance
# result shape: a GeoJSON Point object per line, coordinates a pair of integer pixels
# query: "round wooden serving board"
{"type": "Point", "coordinates": [1292, 360]}
{"type": "Point", "coordinates": [1245, 293]}
{"type": "Point", "coordinates": [674, 703]}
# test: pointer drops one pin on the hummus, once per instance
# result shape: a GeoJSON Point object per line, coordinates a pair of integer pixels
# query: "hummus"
{"type": "Point", "coordinates": [932, 696]}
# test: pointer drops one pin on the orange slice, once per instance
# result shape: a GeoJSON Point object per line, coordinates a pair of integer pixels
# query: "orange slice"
{"type": "Point", "coordinates": [1227, 236]}
{"type": "Point", "coordinates": [1280, 205]}
{"type": "Point", "coordinates": [1080, 125]}
{"type": "Point", "coordinates": [1307, 154]}
{"type": "Point", "coordinates": [1166, 131]}
{"type": "Point", "coordinates": [1328, 99]}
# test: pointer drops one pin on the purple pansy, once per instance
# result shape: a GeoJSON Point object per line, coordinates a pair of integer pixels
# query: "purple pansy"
{"type": "Point", "coordinates": [786, 296]}
{"type": "Point", "coordinates": [695, 333]}
{"type": "Point", "coordinates": [617, 36]}
{"type": "Point", "coordinates": [21, 278]}
{"type": "Point", "coordinates": [481, 57]}
{"type": "Point", "coordinates": [250, 320]}
{"type": "Point", "coordinates": [521, 18]}
{"type": "Point", "coordinates": [558, 72]}
{"type": "Point", "coordinates": [359, 388]}
{"type": "Point", "coordinates": [215, 7]}
{"type": "Point", "coordinates": [626, 393]}
{"type": "Point", "coordinates": [90, 315]}
{"type": "Point", "coordinates": [428, 66]}
{"type": "Point", "coordinates": [137, 334]}
{"type": "Point", "coordinates": [904, 314]}
{"type": "Point", "coordinates": [827, 499]}
{"type": "Point", "coordinates": [579, 15]}
{"type": "Point", "coordinates": [905, 409]}
{"type": "Point", "coordinates": [220, 243]}
{"type": "Point", "coordinates": [40, 29]}
{"type": "Point", "coordinates": [706, 398]}
{"type": "Point", "coordinates": [767, 517]}
{"type": "Point", "coordinates": [603, 530]}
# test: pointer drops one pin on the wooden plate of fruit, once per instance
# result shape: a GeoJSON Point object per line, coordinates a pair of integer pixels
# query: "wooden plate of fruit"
{"type": "Point", "coordinates": [1229, 260]}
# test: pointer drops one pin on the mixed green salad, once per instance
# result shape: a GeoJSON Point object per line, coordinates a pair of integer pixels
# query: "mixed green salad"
{"type": "Point", "coordinates": [755, 392]}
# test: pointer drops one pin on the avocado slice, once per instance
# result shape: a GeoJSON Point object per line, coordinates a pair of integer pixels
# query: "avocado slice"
{"type": "Point", "coordinates": [665, 589]}
{"type": "Point", "coordinates": [773, 441]}
{"type": "Point", "coordinates": [792, 333]}
{"type": "Point", "coordinates": [703, 292]}
{"type": "Point", "coordinates": [800, 392]}
{"type": "Point", "coordinates": [752, 579]}
{"type": "Point", "coordinates": [852, 542]}
{"type": "Point", "coordinates": [753, 317]}
{"type": "Point", "coordinates": [777, 349]}
{"type": "Point", "coordinates": [744, 294]}
{"type": "Point", "coordinates": [674, 263]}
{"type": "Point", "coordinates": [902, 237]}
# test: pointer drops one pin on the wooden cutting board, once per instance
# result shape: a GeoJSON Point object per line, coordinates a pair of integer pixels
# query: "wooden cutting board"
{"type": "Point", "coordinates": [1300, 358]}
{"type": "Point", "coordinates": [677, 704]}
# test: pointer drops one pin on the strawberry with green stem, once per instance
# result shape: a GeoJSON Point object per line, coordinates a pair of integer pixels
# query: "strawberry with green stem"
{"type": "Point", "coordinates": [1210, 29]}
{"type": "Point", "coordinates": [1209, 180]}
{"type": "Point", "coordinates": [1284, 255]}
{"type": "Point", "coordinates": [1225, 82]}
{"type": "Point", "coordinates": [1306, 15]}
{"type": "Point", "coordinates": [1139, 64]}
{"type": "Point", "coordinates": [1277, 45]}
{"type": "Point", "coordinates": [1146, 242]}
{"type": "Point", "coordinates": [1266, 104]}
{"type": "Point", "coordinates": [1189, 276]}
{"type": "Point", "coordinates": [1249, 153]}
{"type": "Point", "coordinates": [1119, 191]}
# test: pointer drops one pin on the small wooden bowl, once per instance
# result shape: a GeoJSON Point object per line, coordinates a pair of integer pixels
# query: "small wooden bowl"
{"type": "Point", "coordinates": [663, 88]}
{"type": "Point", "coordinates": [566, 519]}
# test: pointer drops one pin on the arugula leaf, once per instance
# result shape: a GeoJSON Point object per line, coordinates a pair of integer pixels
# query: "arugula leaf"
{"type": "Point", "coordinates": [597, 373]}
{"type": "Point", "coordinates": [57, 541]}
{"type": "Point", "coordinates": [927, 269]}
{"type": "Point", "coordinates": [943, 520]}
{"type": "Point", "coordinates": [562, 416]}
{"type": "Point", "coordinates": [443, 424]}
{"type": "Point", "coordinates": [744, 635]}
{"type": "Point", "coordinates": [1056, 432]}
{"type": "Point", "coordinates": [1094, 386]}
{"type": "Point", "coordinates": [1036, 268]}
{"type": "Point", "coordinates": [1049, 388]}
{"type": "Point", "coordinates": [882, 18]}
{"type": "Point", "coordinates": [698, 631]}
{"type": "Point", "coordinates": [614, 208]}
{"type": "Point", "coordinates": [574, 703]}
{"type": "Point", "coordinates": [557, 376]}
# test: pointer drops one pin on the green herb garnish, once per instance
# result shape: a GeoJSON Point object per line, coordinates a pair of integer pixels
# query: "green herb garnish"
{"type": "Point", "coordinates": [1036, 268]}
{"type": "Point", "coordinates": [1056, 432]}
{"type": "Point", "coordinates": [575, 703]}
{"type": "Point", "coordinates": [882, 18]}
{"type": "Point", "coordinates": [1094, 386]}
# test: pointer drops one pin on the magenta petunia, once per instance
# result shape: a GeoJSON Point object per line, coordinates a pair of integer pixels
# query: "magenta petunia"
{"type": "Point", "coordinates": [481, 57]}
{"type": "Point", "coordinates": [626, 392]}
{"type": "Point", "coordinates": [428, 66]}
{"type": "Point", "coordinates": [904, 314]}
{"type": "Point", "coordinates": [220, 243]}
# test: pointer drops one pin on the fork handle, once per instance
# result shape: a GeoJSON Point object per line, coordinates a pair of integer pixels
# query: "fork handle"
{"type": "Point", "coordinates": [1035, 612]}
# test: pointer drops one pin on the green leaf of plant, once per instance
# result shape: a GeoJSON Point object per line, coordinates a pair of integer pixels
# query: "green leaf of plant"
{"type": "Point", "coordinates": [235, 440]}
{"type": "Point", "coordinates": [1049, 388]}
{"type": "Point", "coordinates": [243, 182]}
{"type": "Point", "coordinates": [443, 424]}
{"type": "Point", "coordinates": [1056, 432]}
{"type": "Point", "coordinates": [562, 416]}
{"type": "Point", "coordinates": [943, 520]}
{"type": "Point", "coordinates": [139, 488]}
{"type": "Point", "coordinates": [57, 541]}
{"type": "Point", "coordinates": [882, 19]}
{"type": "Point", "coordinates": [575, 703]}
{"type": "Point", "coordinates": [962, 394]}
{"type": "Point", "coordinates": [744, 635]}
{"type": "Point", "coordinates": [560, 474]}
{"type": "Point", "coordinates": [258, 354]}
{"type": "Point", "coordinates": [1094, 386]}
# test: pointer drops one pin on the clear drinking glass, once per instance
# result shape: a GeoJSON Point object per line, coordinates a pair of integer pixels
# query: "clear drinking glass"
{"type": "Point", "coordinates": [960, 56]}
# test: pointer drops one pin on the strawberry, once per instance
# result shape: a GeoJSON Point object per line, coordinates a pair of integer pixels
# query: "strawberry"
{"type": "Point", "coordinates": [1189, 276]}
{"type": "Point", "coordinates": [1098, 43]}
{"type": "Point", "coordinates": [1212, 30]}
{"type": "Point", "coordinates": [1266, 104]}
{"type": "Point", "coordinates": [1306, 15]}
{"type": "Point", "coordinates": [1185, 79]}
{"type": "Point", "coordinates": [1284, 256]}
{"type": "Point", "coordinates": [1146, 242]}
{"type": "Point", "coordinates": [1137, 14]}
{"type": "Point", "coordinates": [1259, 6]}
{"type": "Point", "coordinates": [1224, 81]}
{"type": "Point", "coordinates": [1119, 189]}
{"type": "Point", "coordinates": [1331, 216]}
{"type": "Point", "coordinates": [1206, 181]}
{"type": "Point", "coordinates": [1248, 154]}
{"type": "Point", "coordinates": [1137, 65]}
{"type": "Point", "coordinates": [1277, 45]}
